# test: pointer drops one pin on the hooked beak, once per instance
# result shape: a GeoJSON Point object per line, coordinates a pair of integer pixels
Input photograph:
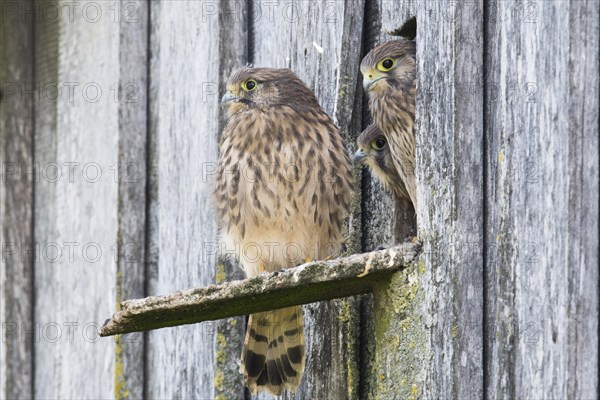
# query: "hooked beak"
{"type": "Point", "coordinates": [369, 80]}
{"type": "Point", "coordinates": [359, 156]}
{"type": "Point", "coordinates": [227, 97]}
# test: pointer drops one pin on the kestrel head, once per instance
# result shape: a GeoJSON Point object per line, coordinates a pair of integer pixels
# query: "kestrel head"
{"type": "Point", "coordinates": [260, 88]}
{"type": "Point", "coordinates": [374, 152]}
{"type": "Point", "coordinates": [389, 65]}
{"type": "Point", "coordinates": [373, 149]}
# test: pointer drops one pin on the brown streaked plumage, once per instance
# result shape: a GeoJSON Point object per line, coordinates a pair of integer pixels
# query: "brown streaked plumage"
{"type": "Point", "coordinates": [282, 192]}
{"type": "Point", "coordinates": [392, 102]}
{"type": "Point", "coordinates": [374, 152]}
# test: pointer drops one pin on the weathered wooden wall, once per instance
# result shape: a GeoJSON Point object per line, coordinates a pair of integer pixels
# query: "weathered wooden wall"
{"type": "Point", "coordinates": [132, 171]}
{"type": "Point", "coordinates": [183, 132]}
{"type": "Point", "coordinates": [75, 204]}
{"type": "Point", "coordinates": [504, 302]}
{"type": "Point", "coordinates": [16, 205]}
{"type": "Point", "coordinates": [542, 85]}
{"type": "Point", "coordinates": [450, 175]}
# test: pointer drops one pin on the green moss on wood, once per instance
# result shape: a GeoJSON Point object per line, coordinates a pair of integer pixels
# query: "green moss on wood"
{"type": "Point", "coordinates": [221, 275]}
{"type": "Point", "coordinates": [228, 341]}
{"type": "Point", "coordinates": [400, 336]}
{"type": "Point", "coordinates": [120, 387]}
{"type": "Point", "coordinates": [120, 384]}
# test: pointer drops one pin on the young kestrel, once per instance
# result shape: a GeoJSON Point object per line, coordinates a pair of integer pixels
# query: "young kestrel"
{"type": "Point", "coordinates": [389, 74]}
{"type": "Point", "coordinates": [282, 192]}
{"type": "Point", "coordinates": [374, 152]}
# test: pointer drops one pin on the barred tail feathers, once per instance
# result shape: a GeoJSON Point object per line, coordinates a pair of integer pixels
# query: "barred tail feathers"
{"type": "Point", "coordinates": [273, 353]}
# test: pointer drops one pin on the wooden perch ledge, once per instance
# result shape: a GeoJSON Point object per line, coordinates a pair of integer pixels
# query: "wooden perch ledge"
{"type": "Point", "coordinates": [307, 283]}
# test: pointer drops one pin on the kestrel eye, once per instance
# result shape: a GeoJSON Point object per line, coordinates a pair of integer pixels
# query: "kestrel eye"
{"type": "Point", "coordinates": [378, 144]}
{"type": "Point", "coordinates": [385, 65]}
{"type": "Point", "coordinates": [249, 85]}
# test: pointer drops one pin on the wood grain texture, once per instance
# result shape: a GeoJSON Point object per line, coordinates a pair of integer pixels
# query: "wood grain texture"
{"type": "Point", "coordinates": [184, 122]}
{"type": "Point", "coordinates": [131, 170]}
{"type": "Point", "coordinates": [16, 201]}
{"type": "Point", "coordinates": [393, 334]}
{"type": "Point", "coordinates": [320, 42]}
{"type": "Point", "coordinates": [377, 205]}
{"type": "Point", "coordinates": [348, 117]}
{"type": "Point", "coordinates": [306, 283]}
{"type": "Point", "coordinates": [76, 143]}
{"type": "Point", "coordinates": [450, 189]}
{"type": "Point", "coordinates": [542, 221]}
{"type": "Point", "coordinates": [229, 337]}
{"type": "Point", "coordinates": [584, 196]}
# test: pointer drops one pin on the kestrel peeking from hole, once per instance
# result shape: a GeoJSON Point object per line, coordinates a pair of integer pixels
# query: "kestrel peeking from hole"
{"type": "Point", "coordinates": [374, 152]}
{"type": "Point", "coordinates": [389, 74]}
{"type": "Point", "coordinates": [282, 193]}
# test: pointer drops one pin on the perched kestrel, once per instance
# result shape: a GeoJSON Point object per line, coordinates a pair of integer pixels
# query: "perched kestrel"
{"type": "Point", "coordinates": [374, 152]}
{"type": "Point", "coordinates": [389, 73]}
{"type": "Point", "coordinates": [282, 192]}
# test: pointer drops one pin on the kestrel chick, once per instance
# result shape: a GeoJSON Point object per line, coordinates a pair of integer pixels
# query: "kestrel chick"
{"type": "Point", "coordinates": [282, 192]}
{"type": "Point", "coordinates": [374, 152]}
{"type": "Point", "coordinates": [389, 73]}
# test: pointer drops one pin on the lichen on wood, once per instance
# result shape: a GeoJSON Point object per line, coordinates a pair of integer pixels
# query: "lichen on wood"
{"type": "Point", "coordinates": [401, 336]}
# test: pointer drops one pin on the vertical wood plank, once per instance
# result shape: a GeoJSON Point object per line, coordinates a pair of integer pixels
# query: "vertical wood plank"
{"type": "Point", "coordinates": [583, 364]}
{"type": "Point", "coordinates": [233, 53]}
{"type": "Point", "coordinates": [392, 344]}
{"type": "Point", "coordinates": [184, 122]}
{"type": "Point", "coordinates": [16, 201]}
{"type": "Point", "coordinates": [427, 325]}
{"type": "Point", "coordinates": [321, 43]}
{"type": "Point", "coordinates": [377, 205]}
{"type": "Point", "coordinates": [132, 22]}
{"type": "Point", "coordinates": [76, 144]}
{"type": "Point", "coordinates": [542, 255]}
{"type": "Point", "coordinates": [450, 190]}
